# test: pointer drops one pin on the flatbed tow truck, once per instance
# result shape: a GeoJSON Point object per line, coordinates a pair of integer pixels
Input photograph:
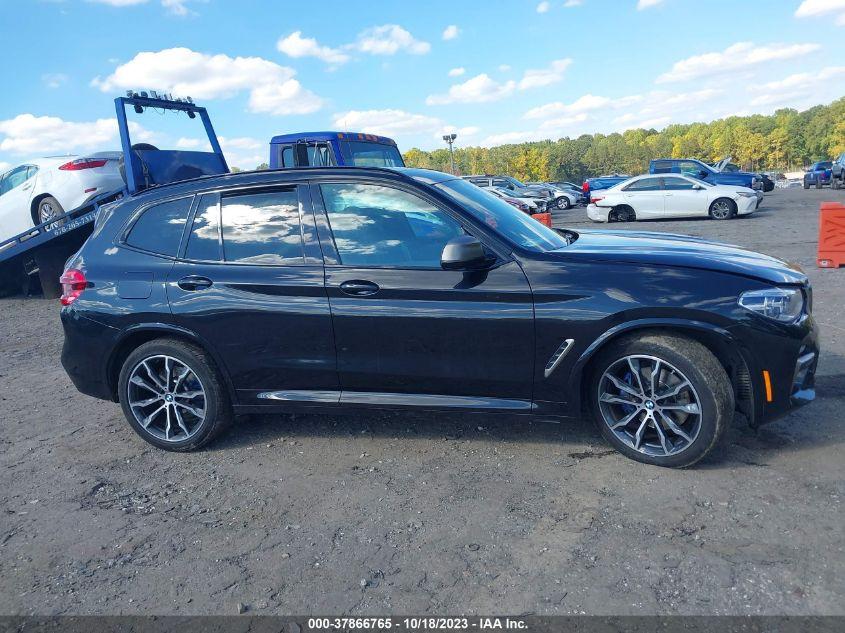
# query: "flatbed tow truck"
{"type": "Point", "coordinates": [44, 248]}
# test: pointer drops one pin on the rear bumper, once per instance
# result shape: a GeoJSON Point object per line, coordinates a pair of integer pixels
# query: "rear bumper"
{"type": "Point", "coordinates": [86, 353]}
{"type": "Point", "coordinates": [597, 213]}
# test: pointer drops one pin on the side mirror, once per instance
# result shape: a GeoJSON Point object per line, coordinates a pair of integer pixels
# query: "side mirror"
{"type": "Point", "coordinates": [697, 187]}
{"type": "Point", "coordinates": [464, 252]}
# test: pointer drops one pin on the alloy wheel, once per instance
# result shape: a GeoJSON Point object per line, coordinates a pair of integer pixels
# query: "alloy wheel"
{"type": "Point", "coordinates": [721, 209]}
{"type": "Point", "coordinates": [167, 398]}
{"type": "Point", "coordinates": [649, 405]}
{"type": "Point", "coordinates": [47, 212]}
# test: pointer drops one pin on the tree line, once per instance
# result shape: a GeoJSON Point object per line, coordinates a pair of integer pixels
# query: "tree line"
{"type": "Point", "coordinates": [787, 140]}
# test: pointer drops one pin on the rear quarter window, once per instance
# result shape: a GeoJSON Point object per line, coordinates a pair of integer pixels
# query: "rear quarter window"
{"type": "Point", "coordinates": [159, 228]}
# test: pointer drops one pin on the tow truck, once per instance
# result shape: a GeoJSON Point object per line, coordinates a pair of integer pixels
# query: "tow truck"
{"type": "Point", "coordinates": [44, 248]}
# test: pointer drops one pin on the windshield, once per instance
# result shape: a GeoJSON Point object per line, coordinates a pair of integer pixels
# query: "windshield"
{"type": "Point", "coordinates": [514, 181]}
{"type": "Point", "coordinates": [368, 154]}
{"type": "Point", "coordinates": [515, 226]}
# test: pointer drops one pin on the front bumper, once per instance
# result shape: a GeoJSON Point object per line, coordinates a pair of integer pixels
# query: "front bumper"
{"type": "Point", "coordinates": [782, 363]}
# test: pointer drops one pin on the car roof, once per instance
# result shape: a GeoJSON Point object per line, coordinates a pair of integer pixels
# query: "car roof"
{"type": "Point", "coordinates": [272, 176]}
{"type": "Point", "coordinates": [331, 136]}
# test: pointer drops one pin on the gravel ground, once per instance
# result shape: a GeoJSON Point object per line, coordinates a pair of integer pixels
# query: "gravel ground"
{"type": "Point", "coordinates": [398, 514]}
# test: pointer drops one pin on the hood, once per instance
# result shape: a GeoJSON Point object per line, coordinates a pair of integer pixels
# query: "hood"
{"type": "Point", "coordinates": [664, 249]}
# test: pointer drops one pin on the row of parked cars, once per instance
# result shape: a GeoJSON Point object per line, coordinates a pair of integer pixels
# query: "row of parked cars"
{"type": "Point", "coordinates": [672, 188]}
{"type": "Point", "coordinates": [826, 172]}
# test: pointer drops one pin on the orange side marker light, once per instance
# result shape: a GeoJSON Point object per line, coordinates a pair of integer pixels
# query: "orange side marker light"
{"type": "Point", "coordinates": [767, 380]}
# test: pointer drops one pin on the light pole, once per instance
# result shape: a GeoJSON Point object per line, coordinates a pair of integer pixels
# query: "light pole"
{"type": "Point", "coordinates": [450, 138]}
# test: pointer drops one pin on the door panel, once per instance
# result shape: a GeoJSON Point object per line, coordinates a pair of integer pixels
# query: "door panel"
{"type": "Point", "coordinates": [681, 200]}
{"type": "Point", "coordinates": [406, 330]}
{"type": "Point", "coordinates": [270, 324]}
{"type": "Point", "coordinates": [469, 336]}
{"type": "Point", "coordinates": [646, 197]}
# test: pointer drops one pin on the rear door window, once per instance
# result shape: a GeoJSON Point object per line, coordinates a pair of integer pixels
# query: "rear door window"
{"type": "Point", "coordinates": [159, 228]}
{"type": "Point", "coordinates": [646, 184]}
{"type": "Point", "coordinates": [204, 239]}
{"type": "Point", "coordinates": [677, 184]}
{"type": "Point", "coordinates": [262, 228]}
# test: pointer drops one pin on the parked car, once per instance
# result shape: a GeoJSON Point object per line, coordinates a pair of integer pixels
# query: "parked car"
{"type": "Point", "coordinates": [526, 205]}
{"type": "Point", "coordinates": [324, 149]}
{"type": "Point", "coordinates": [42, 189]}
{"type": "Point", "coordinates": [262, 291]}
{"type": "Point", "coordinates": [765, 178]}
{"type": "Point", "coordinates": [557, 198]}
{"type": "Point", "coordinates": [837, 172]}
{"type": "Point", "coordinates": [599, 183]}
{"type": "Point", "coordinates": [540, 205]}
{"type": "Point", "coordinates": [673, 196]}
{"type": "Point", "coordinates": [713, 175]}
{"type": "Point", "coordinates": [818, 174]}
{"type": "Point", "coordinates": [570, 187]}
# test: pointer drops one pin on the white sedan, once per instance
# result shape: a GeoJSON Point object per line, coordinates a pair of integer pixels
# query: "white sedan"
{"type": "Point", "coordinates": [44, 188]}
{"type": "Point", "coordinates": [676, 196]}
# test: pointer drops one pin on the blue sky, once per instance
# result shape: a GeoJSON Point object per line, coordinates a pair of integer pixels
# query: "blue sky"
{"type": "Point", "coordinates": [494, 72]}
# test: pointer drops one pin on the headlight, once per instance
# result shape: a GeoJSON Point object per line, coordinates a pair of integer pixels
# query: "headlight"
{"type": "Point", "coordinates": [780, 304]}
{"type": "Point", "coordinates": [746, 194]}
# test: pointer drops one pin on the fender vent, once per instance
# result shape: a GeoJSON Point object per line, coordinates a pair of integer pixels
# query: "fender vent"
{"type": "Point", "coordinates": [554, 361]}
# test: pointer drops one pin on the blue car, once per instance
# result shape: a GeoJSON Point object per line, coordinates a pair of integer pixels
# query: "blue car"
{"type": "Point", "coordinates": [600, 182]}
{"type": "Point", "coordinates": [818, 174]}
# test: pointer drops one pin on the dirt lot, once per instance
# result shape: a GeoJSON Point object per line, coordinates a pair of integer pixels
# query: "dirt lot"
{"type": "Point", "coordinates": [413, 515]}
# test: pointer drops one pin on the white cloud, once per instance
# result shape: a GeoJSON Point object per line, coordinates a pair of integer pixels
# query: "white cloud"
{"type": "Point", "coordinates": [582, 104]}
{"type": "Point", "coordinates": [54, 80]}
{"type": "Point", "coordinates": [389, 39]}
{"type": "Point", "coordinates": [815, 8]}
{"type": "Point", "coordinates": [451, 32]}
{"type": "Point", "coordinates": [511, 137]}
{"type": "Point", "coordinates": [190, 143]}
{"type": "Point", "coordinates": [457, 72]}
{"type": "Point", "coordinates": [4, 166]}
{"type": "Point", "coordinates": [272, 88]}
{"type": "Point", "coordinates": [288, 97]}
{"type": "Point", "coordinates": [462, 132]}
{"type": "Point", "coordinates": [503, 68]}
{"type": "Point", "coordinates": [173, 7]}
{"type": "Point", "coordinates": [243, 152]}
{"type": "Point", "coordinates": [647, 4]}
{"type": "Point", "coordinates": [573, 3]}
{"type": "Point", "coordinates": [479, 89]}
{"type": "Point", "coordinates": [735, 58]}
{"type": "Point", "coordinates": [297, 46]}
{"type": "Point", "coordinates": [544, 7]}
{"type": "Point", "coordinates": [537, 78]}
{"type": "Point", "coordinates": [799, 88]}
{"type": "Point", "coordinates": [41, 135]}
{"type": "Point", "coordinates": [386, 122]}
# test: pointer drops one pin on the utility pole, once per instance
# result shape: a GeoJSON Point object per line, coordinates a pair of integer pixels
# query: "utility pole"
{"type": "Point", "coordinates": [450, 138]}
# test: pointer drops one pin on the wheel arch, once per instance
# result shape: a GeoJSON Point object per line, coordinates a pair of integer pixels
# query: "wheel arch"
{"type": "Point", "coordinates": [33, 206]}
{"type": "Point", "coordinates": [731, 354]}
{"type": "Point", "coordinates": [137, 335]}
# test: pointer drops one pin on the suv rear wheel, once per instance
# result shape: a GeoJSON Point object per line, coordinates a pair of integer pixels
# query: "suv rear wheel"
{"type": "Point", "coordinates": [172, 395]}
{"type": "Point", "coordinates": [661, 400]}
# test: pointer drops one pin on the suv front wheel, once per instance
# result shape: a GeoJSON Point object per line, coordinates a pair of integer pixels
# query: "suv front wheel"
{"type": "Point", "coordinates": [660, 399]}
{"type": "Point", "coordinates": [172, 395]}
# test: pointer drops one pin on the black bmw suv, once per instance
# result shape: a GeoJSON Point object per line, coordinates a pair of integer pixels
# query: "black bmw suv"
{"type": "Point", "coordinates": [345, 288]}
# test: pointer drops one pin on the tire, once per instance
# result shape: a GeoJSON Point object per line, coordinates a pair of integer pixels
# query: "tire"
{"type": "Point", "coordinates": [622, 213]}
{"type": "Point", "coordinates": [48, 208]}
{"type": "Point", "coordinates": [709, 390]}
{"type": "Point", "coordinates": [121, 162]}
{"type": "Point", "coordinates": [563, 203]}
{"type": "Point", "coordinates": [722, 209]}
{"type": "Point", "coordinates": [834, 183]}
{"type": "Point", "coordinates": [818, 183]}
{"type": "Point", "coordinates": [806, 184]}
{"type": "Point", "coordinates": [190, 432]}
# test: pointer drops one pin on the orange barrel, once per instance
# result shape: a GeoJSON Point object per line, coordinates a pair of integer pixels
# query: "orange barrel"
{"type": "Point", "coordinates": [543, 218]}
{"type": "Point", "coordinates": [831, 253]}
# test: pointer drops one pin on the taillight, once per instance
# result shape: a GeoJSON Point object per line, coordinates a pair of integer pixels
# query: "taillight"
{"type": "Point", "coordinates": [595, 199]}
{"type": "Point", "coordinates": [83, 163]}
{"type": "Point", "coordinates": [73, 283]}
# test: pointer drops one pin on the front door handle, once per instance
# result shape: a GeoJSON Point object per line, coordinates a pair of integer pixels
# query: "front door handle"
{"type": "Point", "coordinates": [359, 288]}
{"type": "Point", "coordinates": [194, 282]}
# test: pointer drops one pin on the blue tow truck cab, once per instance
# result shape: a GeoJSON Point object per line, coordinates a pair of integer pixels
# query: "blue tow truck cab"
{"type": "Point", "coordinates": [703, 171]}
{"type": "Point", "coordinates": [341, 149]}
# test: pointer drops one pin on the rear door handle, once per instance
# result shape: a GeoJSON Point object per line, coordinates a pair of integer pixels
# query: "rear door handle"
{"type": "Point", "coordinates": [194, 282]}
{"type": "Point", "coordinates": [359, 288]}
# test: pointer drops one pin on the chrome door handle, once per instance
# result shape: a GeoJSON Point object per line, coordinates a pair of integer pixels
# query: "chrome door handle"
{"type": "Point", "coordinates": [194, 282]}
{"type": "Point", "coordinates": [359, 288]}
